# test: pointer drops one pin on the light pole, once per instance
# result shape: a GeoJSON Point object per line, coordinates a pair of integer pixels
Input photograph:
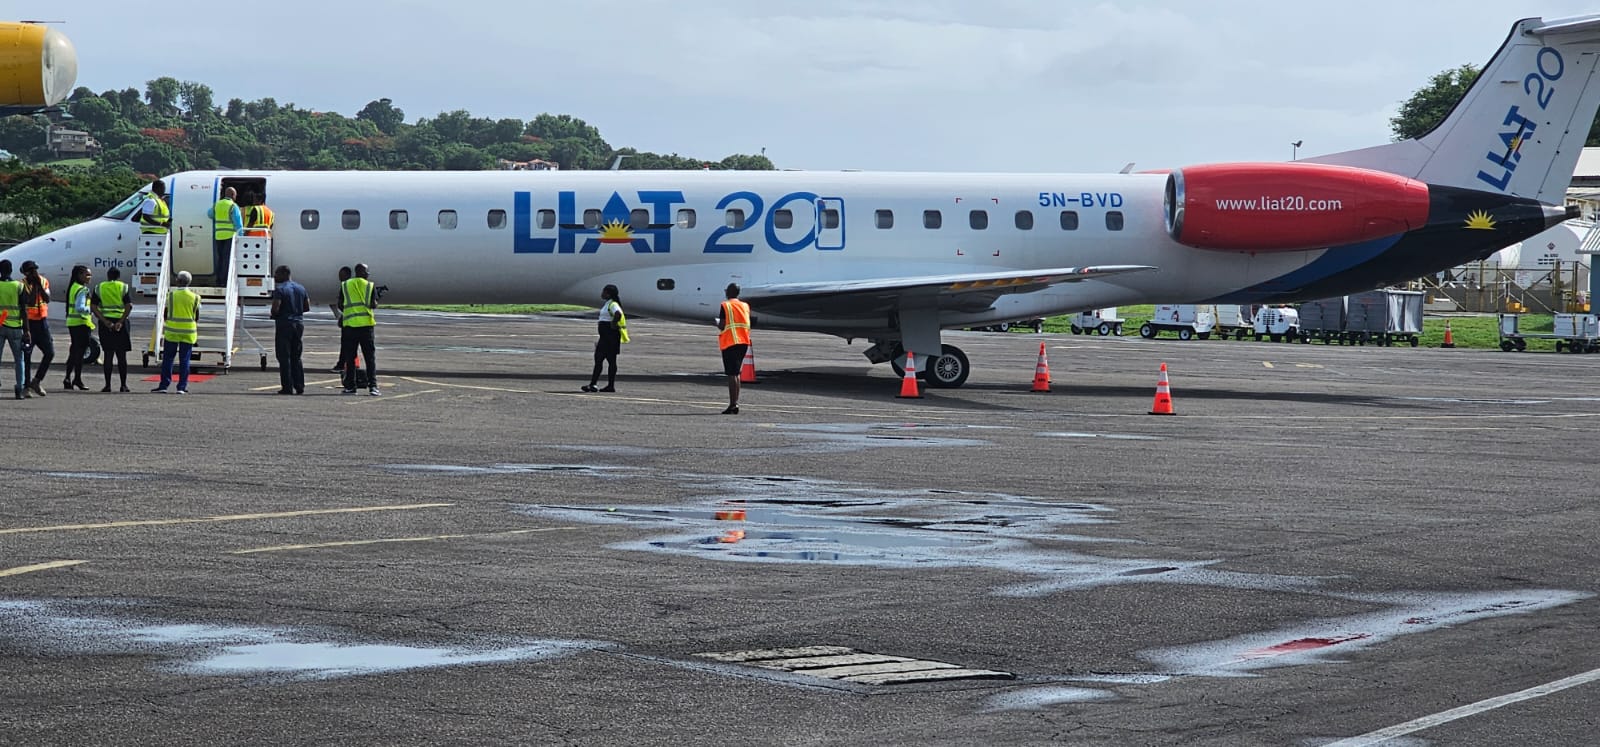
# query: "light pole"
{"type": "Point", "coordinates": [1294, 155]}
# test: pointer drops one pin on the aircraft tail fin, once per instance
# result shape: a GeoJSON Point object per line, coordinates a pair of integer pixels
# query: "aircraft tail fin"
{"type": "Point", "coordinates": [1521, 126]}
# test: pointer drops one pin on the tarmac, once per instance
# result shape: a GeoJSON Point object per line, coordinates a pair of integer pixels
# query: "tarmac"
{"type": "Point", "coordinates": [1325, 545]}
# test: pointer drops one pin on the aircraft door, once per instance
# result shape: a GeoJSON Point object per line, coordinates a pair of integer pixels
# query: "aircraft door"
{"type": "Point", "coordinates": [830, 223]}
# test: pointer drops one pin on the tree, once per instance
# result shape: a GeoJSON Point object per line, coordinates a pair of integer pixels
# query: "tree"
{"type": "Point", "coordinates": [384, 114]}
{"type": "Point", "coordinates": [21, 134]}
{"type": "Point", "coordinates": [1430, 104]}
{"type": "Point", "coordinates": [198, 101]}
{"type": "Point", "coordinates": [97, 114]}
{"type": "Point", "coordinates": [162, 95]}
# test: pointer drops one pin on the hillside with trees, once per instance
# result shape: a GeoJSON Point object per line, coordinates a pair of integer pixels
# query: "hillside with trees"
{"type": "Point", "coordinates": [174, 126]}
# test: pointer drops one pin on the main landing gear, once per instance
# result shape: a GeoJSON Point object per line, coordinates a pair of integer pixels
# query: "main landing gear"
{"type": "Point", "coordinates": [947, 370]}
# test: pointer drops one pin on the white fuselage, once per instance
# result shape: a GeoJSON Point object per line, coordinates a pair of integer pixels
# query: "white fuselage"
{"type": "Point", "coordinates": [525, 237]}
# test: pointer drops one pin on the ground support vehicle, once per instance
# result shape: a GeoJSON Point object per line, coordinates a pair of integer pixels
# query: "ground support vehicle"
{"type": "Point", "coordinates": [1573, 333]}
{"type": "Point", "coordinates": [1098, 321]}
{"type": "Point", "coordinates": [1279, 324]}
{"type": "Point", "coordinates": [1187, 320]}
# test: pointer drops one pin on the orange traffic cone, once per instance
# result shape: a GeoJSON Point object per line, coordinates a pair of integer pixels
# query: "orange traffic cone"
{"type": "Point", "coordinates": [747, 372]}
{"type": "Point", "coordinates": [1449, 339]}
{"type": "Point", "coordinates": [1041, 372]}
{"type": "Point", "coordinates": [1163, 404]}
{"type": "Point", "coordinates": [908, 383]}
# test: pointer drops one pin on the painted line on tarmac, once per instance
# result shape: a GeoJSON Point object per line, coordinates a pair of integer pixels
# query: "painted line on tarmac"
{"type": "Point", "coordinates": [309, 383]}
{"type": "Point", "coordinates": [18, 571]}
{"type": "Point", "coordinates": [1471, 709]}
{"type": "Point", "coordinates": [386, 540]}
{"type": "Point", "coordinates": [216, 519]}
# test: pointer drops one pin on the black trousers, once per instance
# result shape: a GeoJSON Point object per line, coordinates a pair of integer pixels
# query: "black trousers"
{"type": "Point", "coordinates": [288, 342]}
{"type": "Point", "coordinates": [82, 341]}
{"type": "Point", "coordinates": [39, 330]}
{"type": "Point", "coordinates": [352, 339]}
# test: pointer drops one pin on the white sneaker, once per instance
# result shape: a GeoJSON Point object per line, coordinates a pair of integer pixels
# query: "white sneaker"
{"type": "Point", "coordinates": [373, 391]}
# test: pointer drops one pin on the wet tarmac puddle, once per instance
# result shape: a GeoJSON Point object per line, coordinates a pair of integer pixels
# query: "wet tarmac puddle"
{"type": "Point", "coordinates": [795, 520]}
{"type": "Point", "coordinates": [1320, 641]}
{"type": "Point", "coordinates": [1038, 698]}
{"type": "Point", "coordinates": [54, 629]}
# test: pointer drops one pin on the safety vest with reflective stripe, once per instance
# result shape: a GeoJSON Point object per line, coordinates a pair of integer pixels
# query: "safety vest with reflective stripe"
{"type": "Point", "coordinates": [222, 214]}
{"type": "Point", "coordinates": [162, 216]}
{"type": "Point", "coordinates": [356, 297]}
{"type": "Point", "coordinates": [735, 323]}
{"type": "Point", "coordinates": [39, 310]}
{"type": "Point", "coordinates": [112, 293]}
{"type": "Point", "coordinates": [183, 317]}
{"type": "Point", "coordinates": [11, 301]}
{"type": "Point", "coordinates": [258, 220]}
{"type": "Point", "coordinates": [78, 306]}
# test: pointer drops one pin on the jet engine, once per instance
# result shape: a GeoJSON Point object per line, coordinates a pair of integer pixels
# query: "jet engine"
{"type": "Point", "coordinates": [38, 66]}
{"type": "Point", "coordinates": [1265, 207]}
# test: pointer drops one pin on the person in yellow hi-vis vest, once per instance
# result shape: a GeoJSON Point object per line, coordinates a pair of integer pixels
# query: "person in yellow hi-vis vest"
{"type": "Point", "coordinates": [112, 304]}
{"type": "Point", "coordinates": [734, 321]}
{"type": "Point", "coordinates": [80, 323]}
{"type": "Point", "coordinates": [226, 221]}
{"type": "Point", "coordinates": [258, 218]}
{"type": "Point", "coordinates": [14, 330]}
{"type": "Point", "coordinates": [358, 298]}
{"type": "Point", "coordinates": [181, 327]}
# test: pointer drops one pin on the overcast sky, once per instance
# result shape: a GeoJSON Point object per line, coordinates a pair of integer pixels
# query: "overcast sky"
{"type": "Point", "coordinates": [920, 85]}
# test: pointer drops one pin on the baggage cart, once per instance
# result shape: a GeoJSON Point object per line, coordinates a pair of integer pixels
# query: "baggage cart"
{"type": "Point", "coordinates": [1384, 317]}
{"type": "Point", "coordinates": [1323, 319]}
{"type": "Point", "coordinates": [1573, 333]}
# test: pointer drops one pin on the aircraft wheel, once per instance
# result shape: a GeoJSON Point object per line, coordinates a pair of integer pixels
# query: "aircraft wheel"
{"type": "Point", "coordinates": [1104, 329]}
{"type": "Point", "coordinates": [949, 370]}
{"type": "Point", "coordinates": [1147, 331]}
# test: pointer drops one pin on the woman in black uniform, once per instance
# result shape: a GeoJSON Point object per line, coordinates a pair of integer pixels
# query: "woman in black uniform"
{"type": "Point", "coordinates": [612, 327]}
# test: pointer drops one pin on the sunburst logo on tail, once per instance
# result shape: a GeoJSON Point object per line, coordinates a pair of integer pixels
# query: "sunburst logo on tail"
{"type": "Point", "coordinates": [615, 232]}
{"type": "Point", "coordinates": [1480, 220]}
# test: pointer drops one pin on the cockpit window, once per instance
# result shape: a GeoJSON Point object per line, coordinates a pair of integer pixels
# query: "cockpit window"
{"type": "Point", "coordinates": [126, 207]}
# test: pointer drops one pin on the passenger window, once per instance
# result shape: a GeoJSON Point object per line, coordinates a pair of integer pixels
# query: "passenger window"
{"type": "Point", "coordinates": [1069, 220]}
{"type": "Point", "coordinates": [1114, 220]}
{"type": "Point", "coordinates": [398, 220]}
{"type": "Point", "coordinates": [309, 220]}
{"type": "Point", "coordinates": [932, 219]}
{"type": "Point", "coordinates": [830, 218]}
{"type": "Point", "coordinates": [638, 218]}
{"type": "Point", "coordinates": [735, 218]}
{"type": "Point", "coordinates": [497, 219]}
{"type": "Point", "coordinates": [350, 219]}
{"type": "Point", "coordinates": [686, 218]}
{"type": "Point", "coordinates": [591, 218]}
{"type": "Point", "coordinates": [884, 218]}
{"type": "Point", "coordinates": [447, 220]}
{"type": "Point", "coordinates": [978, 219]}
{"type": "Point", "coordinates": [783, 219]}
{"type": "Point", "coordinates": [547, 219]}
{"type": "Point", "coordinates": [1025, 220]}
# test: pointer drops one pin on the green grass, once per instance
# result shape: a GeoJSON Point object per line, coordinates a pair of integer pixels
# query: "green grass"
{"type": "Point", "coordinates": [71, 163]}
{"type": "Point", "coordinates": [492, 308]}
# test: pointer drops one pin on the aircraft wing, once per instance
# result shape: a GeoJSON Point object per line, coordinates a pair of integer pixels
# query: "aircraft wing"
{"type": "Point", "coordinates": [971, 292]}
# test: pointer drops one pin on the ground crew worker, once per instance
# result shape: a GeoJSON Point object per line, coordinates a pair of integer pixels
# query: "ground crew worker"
{"type": "Point", "coordinates": [226, 222]}
{"type": "Point", "coordinates": [112, 304]}
{"type": "Point", "coordinates": [36, 299]}
{"type": "Point", "coordinates": [14, 330]}
{"type": "Point", "coordinates": [258, 218]}
{"type": "Point", "coordinates": [358, 298]}
{"type": "Point", "coordinates": [80, 323]}
{"type": "Point", "coordinates": [734, 321]}
{"type": "Point", "coordinates": [289, 303]}
{"type": "Point", "coordinates": [155, 218]}
{"type": "Point", "coordinates": [179, 333]}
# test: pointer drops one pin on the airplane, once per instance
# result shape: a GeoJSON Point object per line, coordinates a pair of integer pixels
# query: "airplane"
{"type": "Point", "coordinates": [895, 258]}
{"type": "Point", "coordinates": [38, 67]}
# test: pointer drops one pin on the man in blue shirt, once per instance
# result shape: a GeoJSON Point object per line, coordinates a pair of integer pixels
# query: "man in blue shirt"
{"type": "Point", "coordinates": [289, 302]}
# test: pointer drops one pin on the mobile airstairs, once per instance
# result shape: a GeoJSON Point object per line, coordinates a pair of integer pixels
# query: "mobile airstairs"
{"type": "Point", "coordinates": [249, 279]}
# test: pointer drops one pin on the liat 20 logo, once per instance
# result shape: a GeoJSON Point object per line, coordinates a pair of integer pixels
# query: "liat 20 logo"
{"type": "Point", "coordinates": [1539, 86]}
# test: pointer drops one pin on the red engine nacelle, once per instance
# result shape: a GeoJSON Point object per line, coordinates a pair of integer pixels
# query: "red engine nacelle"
{"type": "Point", "coordinates": [1263, 207]}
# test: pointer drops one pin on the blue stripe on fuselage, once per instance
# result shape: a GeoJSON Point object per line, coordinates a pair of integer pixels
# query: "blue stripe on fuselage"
{"type": "Point", "coordinates": [1332, 262]}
